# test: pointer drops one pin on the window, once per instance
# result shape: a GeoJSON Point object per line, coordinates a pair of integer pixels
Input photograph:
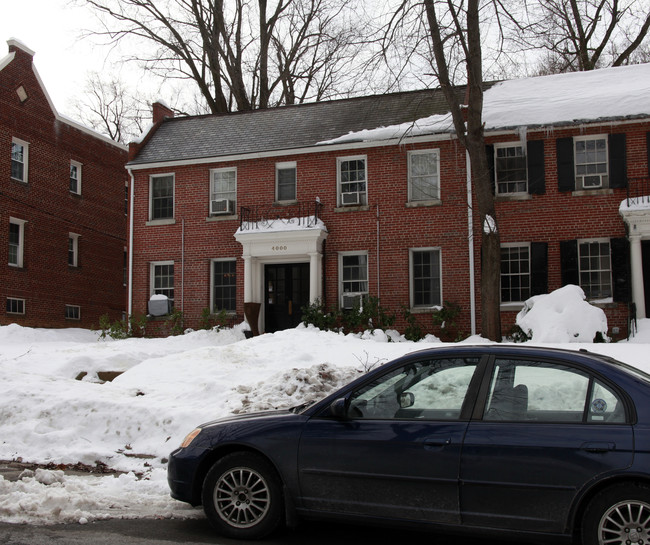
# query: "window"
{"type": "Point", "coordinates": [426, 289]}
{"type": "Point", "coordinates": [75, 177]}
{"type": "Point", "coordinates": [510, 169]}
{"type": "Point", "coordinates": [162, 197]}
{"type": "Point", "coordinates": [16, 242]}
{"type": "Point", "coordinates": [126, 198]}
{"type": "Point", "coordinates": [352, 181]}
{"type": "Point", "coordinates": [285, 175]}
{"type": "Point", "coordinates": [19, 159]}
{"type": "Point", "coordinates": [515, 273]}
{"type": "Point", "coordinates": [595, 268]}
{"type": "Point", "coordinates": [15, 306]}
{"type": "Point", "coordinates": [549, 392]}
{"type": "Point", "coordinates": [162, 279]}
{"type": "Point", "coordinates": [73, 250]}
{"type": "Point", "coordinates": [223, 191]}
{"type": "Point", "coordinates": [423, 390]}
{"type": "Point", "coordinates": [591, 162]}
{"type": "Point", "coordinates": [72, 312]}
{"type": "Point", "coordinates": [224, 285]}
{"type": "Point", "coordinates": [353, 272]}
{"type": "Point", "coordinates": [125, 269]}
{"type": "Point", "coordinates": [424, 175]}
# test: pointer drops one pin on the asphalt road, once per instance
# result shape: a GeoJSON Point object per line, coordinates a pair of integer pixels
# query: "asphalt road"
{"type": "Point", "coordinates": [198, 532]}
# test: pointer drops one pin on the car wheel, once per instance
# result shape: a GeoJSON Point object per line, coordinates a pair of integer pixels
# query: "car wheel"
{"type": "Point", "coordinates": [242, 496]}
{"type": "Point", "coordinates": [619, 515]}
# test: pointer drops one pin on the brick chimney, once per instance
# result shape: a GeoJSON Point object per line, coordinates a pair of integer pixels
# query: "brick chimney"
{"type": "Point", "coordinates": [160, 112]}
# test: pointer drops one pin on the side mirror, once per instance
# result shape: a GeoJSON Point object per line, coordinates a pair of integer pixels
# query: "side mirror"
{"type": "Point", "coordinates": [339, 408]}
{"type": "Point", "coordinates": [406, 400]}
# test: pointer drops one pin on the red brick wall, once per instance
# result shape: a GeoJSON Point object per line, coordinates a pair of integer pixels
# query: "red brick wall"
{"type": "Point", "coordinates": [551, 217]}
{"type": "Point", "coordinates": [46, 282]}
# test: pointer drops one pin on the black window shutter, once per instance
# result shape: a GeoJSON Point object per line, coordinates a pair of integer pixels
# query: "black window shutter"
{"type": "Point", "coordinates": [565, 171]}
{"type": "Point", "coordinates": [621, 288]}
{"type": "Point", "coordinates": [489, 152]}
{"type": "Point", "coordinates": [535, 159]}
{"type": "Point", "coordinates": [538, 268]}
{"type": "Point", "coordinates": [617, 161]}
{"type": "Point", "coordinates": [569, 262]}
{"type": "Point", "coordinates": [647, 144]}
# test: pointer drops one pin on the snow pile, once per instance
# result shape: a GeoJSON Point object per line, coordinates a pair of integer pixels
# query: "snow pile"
{"type": "Point", "coordinates": [562, 316]}
{"type": "Point", "coordinates": [169, 386]}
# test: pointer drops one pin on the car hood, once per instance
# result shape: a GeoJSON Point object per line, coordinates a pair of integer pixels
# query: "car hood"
{"type": "Point", "coordinates": [247, 417]}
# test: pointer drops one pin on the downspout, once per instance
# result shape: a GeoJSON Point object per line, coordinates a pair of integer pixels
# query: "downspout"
{"type": "Point", "coordinates": [470, 241]}
{"type": "Point", "coordinates": [131, 203]}
{"type": "Point", "coordinates": [378, 265]}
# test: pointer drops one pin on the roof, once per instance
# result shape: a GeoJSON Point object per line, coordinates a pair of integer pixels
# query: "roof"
{"type": "Point", "coordinates": [599, 96]}
{"type": "Point", "coordinates": [284, 128]}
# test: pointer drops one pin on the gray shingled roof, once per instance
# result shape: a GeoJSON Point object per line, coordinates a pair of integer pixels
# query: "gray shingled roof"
{"type": "Point", "coordinates": [284, 128]}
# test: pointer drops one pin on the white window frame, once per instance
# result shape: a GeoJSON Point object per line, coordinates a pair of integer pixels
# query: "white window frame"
{"type": "Point", "coordinates": [411, 176]}
{"type": "Point", "coordinates": [25, 163]}
{"type": "Point", "coordinates": [74, 309]}
{"type": "Point", "coordinates": [20, 257]}
{"type": "Point", "coordinates": [289, 165]}
{"type": "Point", "coordinates": [412, 251]}
{"type": "Point", "coordinates": [152, 276]}
{"type": "Point", "coordinates": [517, 245]}
{"type": "Point", "coordinates": [73, 249]}
{"type": "Point", "coordinates": [352, 294]}
{"type": "Point", "coordinates": [77, 165]}
{"type": "Point", "coordinates": [505, 145]}
{"type": "Point", "coordinates": [230, 196]}
{"type": "Point", "coordinates": [212, 286]}
{"type": "Point", "coordinates": [604, 299]}
{"type": "Point", "coordinates": [151, 197]}
{"type": "Point", "coordinates": [604, 177]}
{"type": "Point", "coordinates": [17, 300]}
{"type": "Point", "coordinates": [363, 195]}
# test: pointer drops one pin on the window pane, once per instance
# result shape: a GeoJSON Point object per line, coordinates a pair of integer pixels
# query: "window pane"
{"type": "Point", "coordinates": [432, 390]}
{"type": "Point", "coordinates": [14, 243]}
{"type": "Point", "coordinates": [515, 273]}
{"type": "Point", "coordinates": [163, 280]}
{"type": "Point", "coordinates": [591, 162]}
{"type": "Point", "coordinates": [225, 285]}
{"type": "Point", "coordinates": [352, 174]}
{"type": "Point", "coordinates": [286, 184]}
{"type": "Point", "coordinates": [162, 189]}
{"type": "Point", "coordinates": [17, 161]}
{"type": "Point", "coordinates": [423, 176]}
{"type": "Point", "coordinates": [510, 169]}
{"type": "Point", "coordinates": [426, 279]}
{"type": "Point", "coordinates": [595, 269]}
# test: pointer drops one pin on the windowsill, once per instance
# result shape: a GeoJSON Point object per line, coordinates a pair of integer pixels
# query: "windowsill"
{"type": "Point", "coordinates": [223, 217]}
{"type": "Point", "coordinates": [585, 192]}
{"type": "Point", "coordinates": [24, 182]}
{"type": "Point", "coordinates": [17, 267]}
{"type": "Point", "coordinates": [285, 203]}
{"type": "Point", "coordinates": [154, 223]}
{"type": "Point", "coordinates": [603, 303]}
{"type": "Point", "coordinates": [425, 310]}
{"type": "Point", "coordinates": [419, 204]}
{"type": "Point", "coordinates": [363, 208]}
{"type": "Point", "coordinates": [75, 194]}
{"type": "Point", "coordinates": [514, 197]}
{"type": "Point", "coordinates": [512, 307]}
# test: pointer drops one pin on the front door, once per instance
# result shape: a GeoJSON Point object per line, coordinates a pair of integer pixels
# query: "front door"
{"type": "Point", "coordinates": [287, 291]}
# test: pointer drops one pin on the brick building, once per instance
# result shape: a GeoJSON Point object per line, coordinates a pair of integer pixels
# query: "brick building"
{"type": "Point", "coordinates": [63, 208]}
{"type": "Point", "coordinates": [371, 196]}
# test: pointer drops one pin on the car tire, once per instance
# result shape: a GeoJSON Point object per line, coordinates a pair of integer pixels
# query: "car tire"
{"type": "Point", "coordinates": [242, 496]}
{"type": "Point", "coordinates": [617, 515]}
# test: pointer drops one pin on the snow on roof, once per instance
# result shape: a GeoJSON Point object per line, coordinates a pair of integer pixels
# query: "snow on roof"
{"type": "Point", "coordinates": [606, 94]}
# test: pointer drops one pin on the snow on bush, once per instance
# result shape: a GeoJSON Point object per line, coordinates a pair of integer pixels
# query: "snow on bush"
{"type": "Point", "coordinates": [562, 316]}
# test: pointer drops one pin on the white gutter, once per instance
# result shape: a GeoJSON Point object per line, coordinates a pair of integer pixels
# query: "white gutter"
{"type": "Point", "coordinates": [470, 244]}
{"type": "Point", "coordinates": [130, 289]}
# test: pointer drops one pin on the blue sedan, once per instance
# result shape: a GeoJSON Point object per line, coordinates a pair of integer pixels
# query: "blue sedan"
{"type": "Point", "coordinates": [494, 439]}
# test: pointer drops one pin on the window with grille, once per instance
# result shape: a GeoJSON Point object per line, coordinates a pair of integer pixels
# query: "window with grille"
{"type": "Point", "coordinates": [162, 197]}
{"type": "Point", "coordinates": [510, 169]}
{"type": "Point", "coordinates": [352, 181]}
{"type": "Point", "coordinates": [224, 285]}
{"type": "Point", "coordinates": [162, 279]}
{"type": "Point", "coordinates": [424, 175]}
{"type": "Point", "coordinates": [426, 287]}
{"type": "Point", "coordinates": [595, 268]}
{"type": "Point", "coordinates": [515, 273]}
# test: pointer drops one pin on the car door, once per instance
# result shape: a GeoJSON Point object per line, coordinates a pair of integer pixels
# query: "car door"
{"type": "Point", "coordinates": [545, 431]}
{"type": "Point", "coordinates": [396, 453]}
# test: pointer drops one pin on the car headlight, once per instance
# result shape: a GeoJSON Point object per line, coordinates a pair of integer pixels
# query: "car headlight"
{"type": "Point", "coordinates": [190, 437]}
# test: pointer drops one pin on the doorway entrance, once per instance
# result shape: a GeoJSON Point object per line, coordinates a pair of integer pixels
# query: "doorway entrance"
{"type": "Point", "coordinates": [286, 288]}
{"type": "Point", "coordinates": [645, 258]}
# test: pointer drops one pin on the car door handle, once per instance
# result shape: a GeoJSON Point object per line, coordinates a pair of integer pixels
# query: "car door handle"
{"type": "Point", "coordinates": [437, 443]}
{"type": "Point", "coordinates": [598, 446]}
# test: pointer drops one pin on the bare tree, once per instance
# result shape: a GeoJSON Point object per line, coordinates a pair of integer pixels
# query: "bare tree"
{"type": "Point", "coordinates": [108, 107]}
{"type": "Point", "coordinates": [241, 54]}
{"type": "Point", "coordinates": [452, 39]}
{"type": "Point", "coordinates": [579, 35]}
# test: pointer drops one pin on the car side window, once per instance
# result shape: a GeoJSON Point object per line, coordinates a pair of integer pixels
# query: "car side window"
{"type": "Point", "coordinates": [525, 391]}
{"type": "Point", "coordinates": [430, 390]}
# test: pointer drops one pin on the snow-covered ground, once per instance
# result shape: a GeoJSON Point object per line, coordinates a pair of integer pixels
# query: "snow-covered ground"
{"type": "Point", "coordinates": [168, 386]}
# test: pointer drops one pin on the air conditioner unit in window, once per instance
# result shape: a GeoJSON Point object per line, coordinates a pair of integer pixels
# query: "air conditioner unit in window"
{"type": "Point", "coordinates": [221, 206]}
{"type": "Point", "coordinates": [351, 198]}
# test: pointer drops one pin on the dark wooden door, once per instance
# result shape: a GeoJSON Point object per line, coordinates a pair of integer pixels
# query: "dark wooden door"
{"type": "Point", "coordinates": [287, 291]}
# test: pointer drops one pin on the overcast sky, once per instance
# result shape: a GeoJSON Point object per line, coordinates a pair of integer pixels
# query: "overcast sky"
{"type": "Point", "coordinates": [51, 28]}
